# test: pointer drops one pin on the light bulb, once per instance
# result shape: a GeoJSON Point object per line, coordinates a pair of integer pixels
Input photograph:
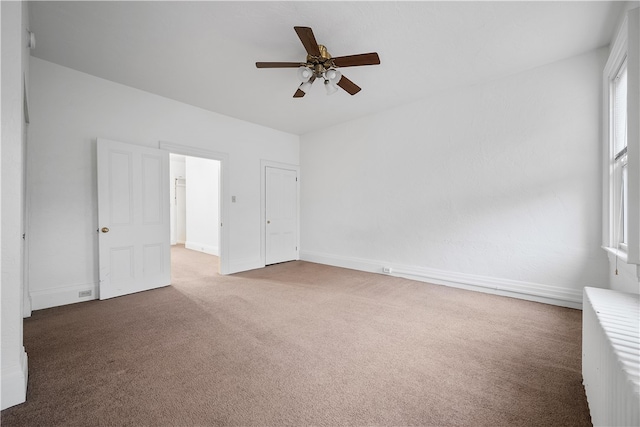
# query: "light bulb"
{"type": "Point", "coordinates": [304, 74]}
{"type": "Point", "coordinates": [333, 75]}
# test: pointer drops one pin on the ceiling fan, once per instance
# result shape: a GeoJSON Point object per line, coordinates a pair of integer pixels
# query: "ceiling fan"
{"type": "Point", "coordinates": [320, 64]}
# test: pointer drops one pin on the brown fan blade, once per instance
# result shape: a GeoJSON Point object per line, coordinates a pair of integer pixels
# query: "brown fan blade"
{"type": "Point", "coordinates": [348, 85]}
{"type": "Point", "coordinates": [308, 40]}
{"type": "Point", "coordinates": [278, 64]}
{"type": "Point", "coordinates": [357, 60]}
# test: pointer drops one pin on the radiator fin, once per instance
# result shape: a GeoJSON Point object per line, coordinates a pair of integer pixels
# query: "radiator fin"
{"type": "Point", "coordinates": [611, 356]}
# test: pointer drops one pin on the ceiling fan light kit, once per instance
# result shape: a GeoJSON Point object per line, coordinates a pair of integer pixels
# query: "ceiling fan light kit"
{"type": "Point", "coordinates": [331, 79]}
{"type": "Point", "coordinates": [304, 74]}
{"type": "Point", "coordinates": [332, 75]}
{"type": "Point", "coordinates": [305, 86]}
{"type": "Point", "coordinates": [330, 88]}
{"type": "Point", "coordinates": [320, 64]}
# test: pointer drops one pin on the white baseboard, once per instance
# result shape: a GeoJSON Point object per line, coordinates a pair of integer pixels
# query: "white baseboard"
{"type": "Point", "coordinates": [555, 295]}
{"type": "Point", "coordinates": [55, 297]}
{"type": "Point", "coordinates": [202, 247]}
{"type": "Point", "coordinates": [14, 383]}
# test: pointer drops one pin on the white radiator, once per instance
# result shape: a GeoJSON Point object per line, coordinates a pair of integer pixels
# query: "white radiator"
{"type": "Point", "coordinates": [611, 356]}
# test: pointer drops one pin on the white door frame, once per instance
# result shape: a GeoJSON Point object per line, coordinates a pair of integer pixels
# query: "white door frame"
{"type": "Point", "coordinates": [223, 226]}
{"type": "Point", "coordinates": [264, 164]}
{"type": "Point", "coordinates": [26, 208]}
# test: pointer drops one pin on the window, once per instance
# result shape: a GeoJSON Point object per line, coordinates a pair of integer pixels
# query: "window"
{"type": "Point", "coordinates": [621, 125]}
{"type": "Point", "coordinates": [619, 161]}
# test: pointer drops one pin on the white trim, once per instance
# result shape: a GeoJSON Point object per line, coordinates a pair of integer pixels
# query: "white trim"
{"type": "Point", "coordinates": [25, 98]}
{"type": "Point", "coordinates": [619, 253]}
{"type": "Point", "coordinates": [625, 45]}
{"type": "Point", "coordinates": [26, 297]}
{"type": "Point", "coordinates": [27, 305]}
{"type": "Point", "coordinates": [14, 383]}
{"type": "Point", "coordinates": [263, 204]}
{"type": "Point", "coordinates": [555, 295]}
{"type": "Point", "coordinates": [225, 194]}
{"type": "Point", "coordinates": [633, 135]}
{"type": "Point", "coordinates": [63, 295]}
{"type": "Point", "coordinates": [618, 53]}
{"type": "Point", "coordinates": [618, 49]}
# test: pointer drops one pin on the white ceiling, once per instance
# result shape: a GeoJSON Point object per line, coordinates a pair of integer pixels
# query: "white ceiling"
{"type": "Point", "coordinates": [203, 53]}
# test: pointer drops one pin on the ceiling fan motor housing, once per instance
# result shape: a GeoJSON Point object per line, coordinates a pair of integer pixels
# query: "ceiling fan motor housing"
{"type": "Point", "coordinates": [320, 64]}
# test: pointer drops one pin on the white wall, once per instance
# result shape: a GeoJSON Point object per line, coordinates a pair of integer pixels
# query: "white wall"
{"type": "Point", "coordinates": [69, 111]}
{"type": "Point", "coordinates": [203, 181]}
{"type": "Point", "coordinates": [495, 185]}
{"type": "Point", "coordinates": [14, 369]}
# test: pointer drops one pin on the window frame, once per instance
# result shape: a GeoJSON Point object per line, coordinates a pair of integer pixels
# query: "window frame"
{"type": "Point", "coordinates": [625, 47]}
{"type": "Point", "coordinates": [618, 165]}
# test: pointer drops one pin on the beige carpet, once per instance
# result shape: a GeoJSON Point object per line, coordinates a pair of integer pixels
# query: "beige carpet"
{"type": "Point", "coordinates": [302, 344]}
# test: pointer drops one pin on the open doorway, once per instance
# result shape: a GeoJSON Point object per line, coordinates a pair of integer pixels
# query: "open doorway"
{"type": "Point", "coordinates": [195, 210]}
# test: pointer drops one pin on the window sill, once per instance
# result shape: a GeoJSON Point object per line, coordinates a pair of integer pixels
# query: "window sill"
{"type": "Point", "coordinates": [622, 255]}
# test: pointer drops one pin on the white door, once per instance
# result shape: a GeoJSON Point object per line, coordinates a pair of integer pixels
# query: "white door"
{"type": "Point", "coordinates": [281, 215]}
{"type": "Point", "coordinates": [133, 218]}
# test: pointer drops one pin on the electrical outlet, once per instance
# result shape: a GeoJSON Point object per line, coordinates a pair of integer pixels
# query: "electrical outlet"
{"type": "Point", "coordinates": [83, 294]}
{"type": "Point", "coordinates": [386, 270]}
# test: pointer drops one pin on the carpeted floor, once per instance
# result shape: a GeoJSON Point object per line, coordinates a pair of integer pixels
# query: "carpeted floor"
{"type": "Point", "coordinates": [302, 344]}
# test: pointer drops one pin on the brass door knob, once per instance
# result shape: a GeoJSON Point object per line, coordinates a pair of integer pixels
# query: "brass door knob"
{"type": "Point", "coordinates": [104, 230]}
